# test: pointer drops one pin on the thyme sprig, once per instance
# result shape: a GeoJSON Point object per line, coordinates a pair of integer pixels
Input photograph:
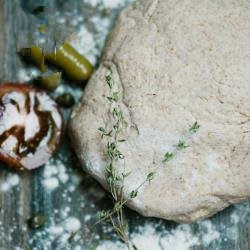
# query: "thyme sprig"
{"type": "Point", "coordinates": [182, 144]}
{"type": "Point", "coordinates": [115, 176]}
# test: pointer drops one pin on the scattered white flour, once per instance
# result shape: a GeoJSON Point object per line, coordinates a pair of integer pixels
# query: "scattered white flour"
{"type": "Point", "coordinates": [25, 75]}
{"type": "Point", "coordinates": [51, 183]}
{"type": "Point", "coordinates": [234, 217]}
{"type": "Point", "coordinates": [54, 174]}
{"type": "Point", "coordinates": [180, 238]}
{"type": "Point", "coordinates": [87, 217]}
{"type": "Point", "coordinates": [12, 180]}
{"type": "Point", "coordinates": [110, 245]}
{"type": "Point", "coordinates": [109, 4]}
{"type": "Point", "coordinates": [92, 3]}
{"type": "Point", "coordinates": [72, 224]}
{"type": "Point", "coordinates": [89, 43]}
{"type": "Point", "coordinates": [210, 233]}
{"type": "Point", "coordinates": [55, 230]}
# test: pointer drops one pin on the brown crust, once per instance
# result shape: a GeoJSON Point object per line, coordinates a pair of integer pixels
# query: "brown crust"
{"type": "Point", "coordinates": [19, 87]}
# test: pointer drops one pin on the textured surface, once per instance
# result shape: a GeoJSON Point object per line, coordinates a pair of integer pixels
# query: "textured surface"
{"type": "Point", "coordinates": [175, 63]}
{"type": "Point", "coordinates": [19, 203]}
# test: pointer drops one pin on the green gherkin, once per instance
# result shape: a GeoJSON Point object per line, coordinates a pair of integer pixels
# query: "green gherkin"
{"type": "Point", "coordinates": [75, 66]}
{"type": "Point", "coordinates": [65, 100]}
{"type": "Point", "coordinates": [50, 82]}
{"type": "Point", "coordinates": [35, 55]}
{"type": "Point", "coordinates": [36, 221]}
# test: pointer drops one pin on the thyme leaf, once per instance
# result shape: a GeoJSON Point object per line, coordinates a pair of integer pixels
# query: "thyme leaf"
{"type": "Point", "coordinates": [105, 132]}
{"type": "Point", "coordinates": [114, 97]}
{"type": "Point", "coordinates": [109, 80]}
{"type": "Point", "coordinates": [118, 114]}
{"type": "Point", "coordinates": [113, 152]}
{"type": "Point", "coordinates": [182, 145]}
{"type": "Point", "coordinates": [123, 140]}
{"type": "Point", "coordinates": [104, 214]}
{"type": "Point", "coordinates": [150, 176]}
{"type": "Point", "coordinates": [168, 156]}
{"type": "Point", "coordinates": [194, 128]}
{"type": "Point", "coordinates": [133, 194]}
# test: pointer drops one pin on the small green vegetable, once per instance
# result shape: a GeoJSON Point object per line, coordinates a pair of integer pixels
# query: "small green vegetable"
{"type": "Point", "coordinates": [65, 100]}
{"type": "Point", "coordinates": [50, 82]}
{"type": "Point", "coordinates": [37, 10]}
{"type": "Point", "coordinates": [36, 221]}
{"type": "Point", "coordinates": [35, 55]}
{"type": "Point", "coordinates": [75, 66]}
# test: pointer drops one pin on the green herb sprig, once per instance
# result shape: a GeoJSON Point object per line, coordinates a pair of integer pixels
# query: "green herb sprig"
{"type": "Point", "coordinates": [182, 144]}
{"type": "Point", "coordinates": [114, 176]}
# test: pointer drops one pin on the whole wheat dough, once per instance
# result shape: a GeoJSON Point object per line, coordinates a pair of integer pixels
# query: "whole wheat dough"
{"type": "Point", "coordinates": [175, 62]}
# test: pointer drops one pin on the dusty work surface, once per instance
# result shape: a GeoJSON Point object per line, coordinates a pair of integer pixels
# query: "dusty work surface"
{"type": "Point", "coordinates": [68, 198]}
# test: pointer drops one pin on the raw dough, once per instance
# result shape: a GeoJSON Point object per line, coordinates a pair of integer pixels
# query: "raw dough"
{"type": "Point", "coordinates": [175, 62]}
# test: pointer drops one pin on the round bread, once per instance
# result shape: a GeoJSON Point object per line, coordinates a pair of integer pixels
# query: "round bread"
{"type": "Point", "coordinates": [174, 63]}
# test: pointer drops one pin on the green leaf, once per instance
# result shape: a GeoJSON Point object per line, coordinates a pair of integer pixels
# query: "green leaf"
{"type": "Point", "coordinates": [109, 168]}
{"type": "Point", "coordinates": [126, 174]}
{"type": "Point", "coordinates": [194, 128]}
{"type": "Point", "coordinates": [118, 205]}
{"type": "Point", "coordinates": [105, 132]}
{"type": "Point", "coordinates": [109, 80]}
{"type": "Point", "coordinates": [113, 152]}
{"type": "Point", "coordinates": [103, 214]}
{"type": "Point", "coordinates": [133, 194]}
{"type": "Point", "coordinates": [101, 129]}
{"type": "Point", "coordinates": [150, 176]}
{"type": "Point", "coordinates": [168, 156]}
{"type": "Point", "coordinates": [114, 97]}
{"type": "Point", "coordinates": [118, 114]}
{"type": "Point", "coordinates": [134, 247]}
{"type": "Point", "coordinates": [110, 180]}
{"type": "Point", "coordinates": [123, 140]}
{"type": "Point", "coordinates": [182, 145]}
